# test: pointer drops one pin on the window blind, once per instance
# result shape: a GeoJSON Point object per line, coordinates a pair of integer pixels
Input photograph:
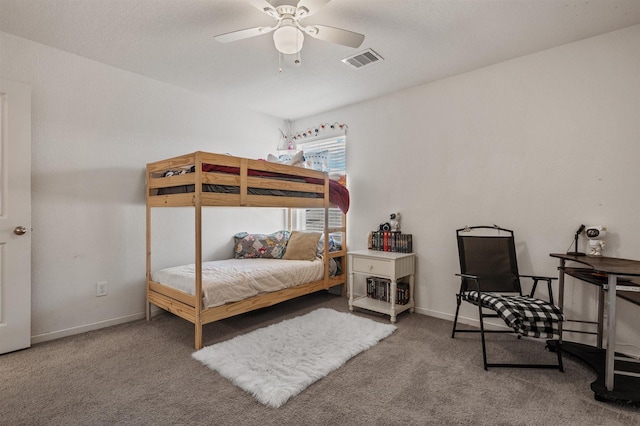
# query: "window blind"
{"type": "Point", "coordinates": [313, 219]}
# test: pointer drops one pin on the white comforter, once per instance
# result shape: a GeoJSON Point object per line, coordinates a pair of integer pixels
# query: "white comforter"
{"type": "Point", "coordinates": [225, 281]}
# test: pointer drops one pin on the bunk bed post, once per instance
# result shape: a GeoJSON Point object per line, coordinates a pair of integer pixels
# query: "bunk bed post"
{"type": "Point", "coordinates": [244, 167]}
{"type": "Point", "coordinates": [148, 272]}
{"type": "Point", "coordinates": [197, 202]}
{"type": "Point", "coordinates": [327, 204]}
{"type": "Point", "coordinates": [343, 242]}
{"type": "Point", "coordinates": [326, 248]}
{"type": "Point", "coordinates": [289, 219]}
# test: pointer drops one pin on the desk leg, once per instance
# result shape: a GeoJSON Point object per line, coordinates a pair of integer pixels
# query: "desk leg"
{"type": "Point", "coordinates": [600, 316]}
{"type": "Point", "coordinates": [561, 293]}
{"type": "Point", "coordinates": [561, 284]}
{"type": "Point", "coordinates": [611, 334]}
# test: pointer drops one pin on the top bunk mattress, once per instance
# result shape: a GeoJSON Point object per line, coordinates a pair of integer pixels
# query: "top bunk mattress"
{"type": "Point", "coordinates": [221, 177]}
{"type": "Point", "coordinates": [232, 280]}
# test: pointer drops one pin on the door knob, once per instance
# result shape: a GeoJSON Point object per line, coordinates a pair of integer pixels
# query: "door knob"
{"type": "Point", "coordinates": [20, 230]}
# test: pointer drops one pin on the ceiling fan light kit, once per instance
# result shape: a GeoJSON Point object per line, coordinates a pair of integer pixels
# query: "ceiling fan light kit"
{"type": "Point", "coordinates": [288, 39]}
{"type": "Point", "coordinates": [288, 33]}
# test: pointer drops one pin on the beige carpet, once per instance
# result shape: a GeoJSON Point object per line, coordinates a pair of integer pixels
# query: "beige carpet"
{"type": "Point", "coordinates": [142, 373]}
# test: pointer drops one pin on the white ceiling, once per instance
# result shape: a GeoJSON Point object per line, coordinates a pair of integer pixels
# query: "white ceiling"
{"type": "Point", "coordinates": [420, 40]}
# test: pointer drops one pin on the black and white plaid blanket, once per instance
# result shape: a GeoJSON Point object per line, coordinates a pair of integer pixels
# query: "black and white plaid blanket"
{"type": "Point", "coordinates": [528, 317]}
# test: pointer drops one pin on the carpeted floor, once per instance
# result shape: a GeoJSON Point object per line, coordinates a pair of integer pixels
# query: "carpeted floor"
{"type": "Point", "coordinates": [142, 373]}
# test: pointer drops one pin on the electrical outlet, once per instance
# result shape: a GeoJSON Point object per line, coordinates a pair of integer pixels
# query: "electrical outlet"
{"type": "Point", "coordinates": [101, 288]}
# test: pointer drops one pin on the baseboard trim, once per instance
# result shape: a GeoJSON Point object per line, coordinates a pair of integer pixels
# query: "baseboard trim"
{"type": "Point", "coordinates": [53, 335]}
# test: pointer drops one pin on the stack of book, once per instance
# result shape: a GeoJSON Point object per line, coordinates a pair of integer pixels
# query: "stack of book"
{"type": "Point", "coordinates": [392, 241]}
{"type": "Point", "coordinates": [380, 289]}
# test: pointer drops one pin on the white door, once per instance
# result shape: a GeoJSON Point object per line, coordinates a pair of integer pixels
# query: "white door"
{"type": "Point", "coordinates": [15, 216]}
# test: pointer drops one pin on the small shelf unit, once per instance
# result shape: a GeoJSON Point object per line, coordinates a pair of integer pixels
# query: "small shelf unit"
{"type": "Point", "coordinates": [381, 264]}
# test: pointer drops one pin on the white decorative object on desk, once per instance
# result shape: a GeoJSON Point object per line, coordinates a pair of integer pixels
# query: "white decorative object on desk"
{"type": "Point", "coordinates": [394, 221]}
{"type": "Point", "coordinates": [596, 242]}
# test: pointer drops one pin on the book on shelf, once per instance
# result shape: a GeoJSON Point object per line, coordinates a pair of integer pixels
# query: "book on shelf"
{"type": "Point", "coordinates": [391, 241]}
{"type": "Point", "coordinates": [380, 289]}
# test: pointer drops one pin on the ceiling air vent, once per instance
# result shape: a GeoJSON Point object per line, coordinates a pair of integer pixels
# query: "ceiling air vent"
{"type": "Point", "coordinates": [363, 59]}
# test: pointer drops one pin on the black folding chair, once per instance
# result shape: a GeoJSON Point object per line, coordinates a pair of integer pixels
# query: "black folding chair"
{"type": "Point", "coordinates": [490, 280]}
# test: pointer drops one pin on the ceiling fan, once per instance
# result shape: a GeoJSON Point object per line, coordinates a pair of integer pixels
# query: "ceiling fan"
{"type": "Point", "coordinates": [288, 32]}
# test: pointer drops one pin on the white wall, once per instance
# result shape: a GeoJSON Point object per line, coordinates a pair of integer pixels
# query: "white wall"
{"type": "Point", "coordinates": [539, 144]}
{"type": "Point", "coordinates": [94, 129]}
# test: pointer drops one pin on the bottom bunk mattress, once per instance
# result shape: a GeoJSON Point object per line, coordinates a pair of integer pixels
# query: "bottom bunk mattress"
{"type": "Point", "coordinates": [231, 280]}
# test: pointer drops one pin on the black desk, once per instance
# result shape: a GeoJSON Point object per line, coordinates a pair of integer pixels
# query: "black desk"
{"type": "Point", "coordinates": [612, 275]}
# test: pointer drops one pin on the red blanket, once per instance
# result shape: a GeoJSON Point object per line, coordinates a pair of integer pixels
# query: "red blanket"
{"type": "Point", "coordinates": [338, 194]}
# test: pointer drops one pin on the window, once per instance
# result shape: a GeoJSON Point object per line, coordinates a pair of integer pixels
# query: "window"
{"type": "Point", "coordinates": [313, 219]}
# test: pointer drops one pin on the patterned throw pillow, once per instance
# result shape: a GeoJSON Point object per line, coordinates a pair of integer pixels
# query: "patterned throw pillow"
{"type": "Point", "coordinates": [317, 160]}
{"type": "Point", "coordinates": [333, 246]}
{"type": "Point", "coordinates": [292, 159]}
{"type": "Point", "coordinates": [267, 246]}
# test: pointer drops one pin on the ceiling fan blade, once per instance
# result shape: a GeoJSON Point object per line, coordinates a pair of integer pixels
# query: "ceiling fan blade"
{"type": "Point", "coordinates": [242, 34]}
{"type": "Point", "coordinates": [309, 7]}
{"type": "Point", "coordinates": [264, 6]}
{"type": "Point", "coordinates": [335, 35]}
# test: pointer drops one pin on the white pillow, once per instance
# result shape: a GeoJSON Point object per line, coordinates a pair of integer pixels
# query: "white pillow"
{"type": "Point", "coordinates": [296, 159]}
{"type": "Point", "coordinates": [272, 158]}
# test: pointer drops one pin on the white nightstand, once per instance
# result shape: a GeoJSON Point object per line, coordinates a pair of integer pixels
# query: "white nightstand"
{"type": "Point", "coordinates": [381, 264]}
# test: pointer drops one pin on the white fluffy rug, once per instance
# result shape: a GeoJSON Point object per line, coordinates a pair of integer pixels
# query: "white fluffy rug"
{"type": "Point", "coordinates": [277, 362]}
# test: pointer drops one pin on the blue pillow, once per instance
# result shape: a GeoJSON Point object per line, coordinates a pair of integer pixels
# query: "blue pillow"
{"type": "Point", "coordinates": [318, 160]}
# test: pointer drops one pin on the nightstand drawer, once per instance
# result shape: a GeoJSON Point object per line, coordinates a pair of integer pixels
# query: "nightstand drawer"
{"type": "Point", "coordinates": [372, 266]}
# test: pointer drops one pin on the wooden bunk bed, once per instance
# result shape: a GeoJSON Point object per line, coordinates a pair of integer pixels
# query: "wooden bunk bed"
{"type": "Point", "coordinates": [203, 179]}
